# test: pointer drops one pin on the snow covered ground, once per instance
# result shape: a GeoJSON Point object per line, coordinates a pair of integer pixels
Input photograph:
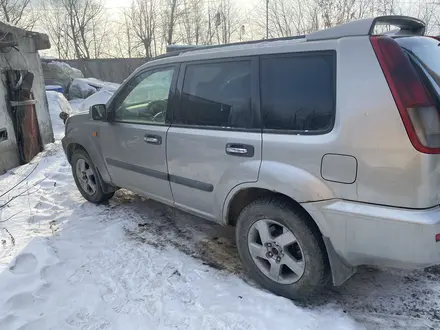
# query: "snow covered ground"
{"type": "Point", "coordinates": [135, 264]}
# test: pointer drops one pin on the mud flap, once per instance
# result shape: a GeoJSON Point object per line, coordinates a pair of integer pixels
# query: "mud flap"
{"type": "Point", "coordinates": [106, 188]}
{"type": "Point", "coordinates": [340, 271]}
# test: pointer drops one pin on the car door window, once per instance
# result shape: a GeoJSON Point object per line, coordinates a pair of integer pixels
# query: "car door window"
{"type": "Point", "coordinates": [217, 95]}
{"type": "Point", "coordinates": [145, 100]}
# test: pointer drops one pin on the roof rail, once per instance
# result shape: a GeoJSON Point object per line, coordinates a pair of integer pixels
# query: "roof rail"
{"type": "Point", "coordinates": [174, 48]}
{"type": "Point", "coordinates": [365, 27]}
{"type": "Point", "coordinates": [180, 49]}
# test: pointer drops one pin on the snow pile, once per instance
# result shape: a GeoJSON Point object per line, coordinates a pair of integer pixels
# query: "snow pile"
{"type": "Point", "coordinates": [80, 89]}
{"type": "Point", "coordinates": [98, 84]}
{"type": "Point", "coordinates": [59, 73]}
{"type": "Point", "coordinates": [66, 69]}
{"type": "Point", "coordinates": [57, 104]}
{"type": "Point", "coordinates": [88, 88]}
{"type": "Point", "coordinates": [68, 264]}
{"type": "Point", "coordinates": [74, 85]}
{"type": "Point", "coordinates": [100, 97]}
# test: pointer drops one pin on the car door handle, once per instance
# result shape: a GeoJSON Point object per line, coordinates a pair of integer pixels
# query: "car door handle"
{"type": "Point", "coordinates": [237, 151]}
{"type": "Point", "coordinates": [153, 139]}
{"type": "Point", "coordinates": [240, 150]}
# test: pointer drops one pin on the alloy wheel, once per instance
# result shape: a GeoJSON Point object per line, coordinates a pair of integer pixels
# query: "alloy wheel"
{"type": "Point", "coordinates": [276, 251]}
{"type": "Point", "coordinates": [86, 176]}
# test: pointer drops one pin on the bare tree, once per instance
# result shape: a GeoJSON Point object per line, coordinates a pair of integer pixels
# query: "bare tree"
{"type": "Point", "coordinates": [211, 12]}
{"type": "Point", "coordinates": [85, 18]}
{"type": "Point", "coordinates": [193, 22]}
{"type": "Point", "coordinates": [426, 11]}
{"type": "Point", "coordinates": [122, 46]}
{"type": "Point", "coordinates": [127, 34]}
{"type": "Point", "coordinates": [227, 21]}
{"type": "Point", "coordinates": [429, 13]}
{"type": "Point", "coordinates": [142, 20]}
{"type": "Point", "coordinates": [81, 22]}
{"type": "Point", "coordinates": [333, 12]}
{"type": "Point", "coordinates": [54, 20]}
{"type": "Point", "coordinates": [296, 17]}
{"type": "Point", "coordinates": [171, 16]}
{"type": "Point", "coordinates": [18, 12]}
{"type": "Point", "coordinates": [287, 17]}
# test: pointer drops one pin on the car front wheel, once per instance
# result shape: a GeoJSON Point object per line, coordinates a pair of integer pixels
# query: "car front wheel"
{"type": "Point", "coordinates": [87, 179]}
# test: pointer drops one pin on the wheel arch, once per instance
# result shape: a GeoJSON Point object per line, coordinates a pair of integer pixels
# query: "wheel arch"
{"type": "Point", "coordinates": [104, 178]}
{"type": "Point", "coordinates": [70, 149]}
{"type": "Point", "coordinates": [240, 198]}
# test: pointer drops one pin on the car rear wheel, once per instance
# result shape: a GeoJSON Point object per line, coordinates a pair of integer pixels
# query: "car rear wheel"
{"type": "Point", "coordinates": [280, 249]}
{"type": "Point", "coordinates": [87, 179]}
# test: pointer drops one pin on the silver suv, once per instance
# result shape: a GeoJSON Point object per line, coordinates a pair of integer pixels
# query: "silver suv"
{"type": "Point", "coordinates": [322, 150]}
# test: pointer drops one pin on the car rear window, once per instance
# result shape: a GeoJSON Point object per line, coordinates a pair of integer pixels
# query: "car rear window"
{"type": "Point", "coordinates": [425, 52]}
{"type": "Point", "coordinates": [298, 92]}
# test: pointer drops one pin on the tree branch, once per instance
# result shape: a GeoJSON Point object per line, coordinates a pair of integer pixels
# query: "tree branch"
{"type": "Point", "coordinates": [24, 179]}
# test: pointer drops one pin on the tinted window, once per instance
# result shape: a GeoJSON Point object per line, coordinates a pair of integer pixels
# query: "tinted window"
{"type": "Point", "coordinates": [217, 94]}
{"type": "Point", "coordinates": [145, 100]}
{"type": "Point", "coordinates": [298, 92]}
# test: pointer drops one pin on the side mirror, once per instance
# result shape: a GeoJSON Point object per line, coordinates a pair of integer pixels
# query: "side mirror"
{"type": "Point", "coordinates": [99, 112]}
{"type": "Point", "coordinates": [64, 116]}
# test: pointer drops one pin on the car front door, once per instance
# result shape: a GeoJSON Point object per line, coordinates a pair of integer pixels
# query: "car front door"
{"type": "Point", "coordinates": [214, 143]}
{"type": "Point", "coordinates": [134, 140]}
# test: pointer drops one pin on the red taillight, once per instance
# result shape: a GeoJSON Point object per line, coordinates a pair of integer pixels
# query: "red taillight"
{"type": "Point", "coordinates": [416, 106]}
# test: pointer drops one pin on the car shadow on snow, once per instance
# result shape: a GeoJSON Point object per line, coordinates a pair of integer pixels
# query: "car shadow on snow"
{"type": "Point", "coordinates": [408, 298]}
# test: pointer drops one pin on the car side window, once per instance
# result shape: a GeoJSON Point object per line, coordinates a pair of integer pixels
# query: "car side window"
{"type": "Point", "coordinates": [217, 95]}
{"type": "Point", "coordinates": [298, 92]}
{"type": "Point", "coordinates": [145, 100]}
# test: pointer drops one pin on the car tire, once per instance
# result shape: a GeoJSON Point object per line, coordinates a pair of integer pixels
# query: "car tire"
{"type": "Point", "coordinates": [305, 253]}
{"type": "Point", "coordinates": [87, 179]}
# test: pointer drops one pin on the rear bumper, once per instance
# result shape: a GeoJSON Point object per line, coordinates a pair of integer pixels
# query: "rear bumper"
{"type": "Point", "coordinates": [364, 234]}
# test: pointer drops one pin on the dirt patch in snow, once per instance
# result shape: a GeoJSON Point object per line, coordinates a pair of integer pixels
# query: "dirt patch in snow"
{"type": "Point", "coordinates": [162, 226]}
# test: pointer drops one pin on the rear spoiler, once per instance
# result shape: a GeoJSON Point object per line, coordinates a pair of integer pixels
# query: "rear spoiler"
{"type": "Point", "coordinates": [365, 27]}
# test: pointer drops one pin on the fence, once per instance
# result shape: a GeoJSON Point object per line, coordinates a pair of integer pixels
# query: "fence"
{"type": "Point", "coordinates": [112, 69]}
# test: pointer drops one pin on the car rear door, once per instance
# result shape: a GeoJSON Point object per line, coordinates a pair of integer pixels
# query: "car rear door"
{"type": "Point", "coordinates": [214, 143]}
{"type": "Point", "coordinates": [134, 141]}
